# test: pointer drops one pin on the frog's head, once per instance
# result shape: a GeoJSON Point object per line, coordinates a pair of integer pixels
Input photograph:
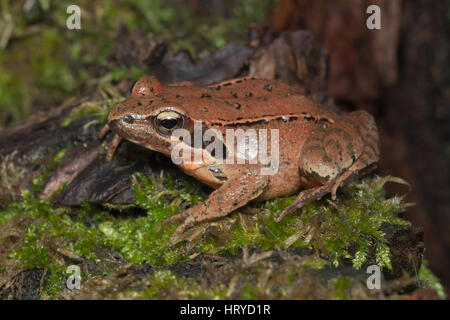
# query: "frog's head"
{"type": "Point", "coordinates": [146, 118]}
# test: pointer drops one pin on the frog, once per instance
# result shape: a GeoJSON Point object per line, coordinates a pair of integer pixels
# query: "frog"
{"type": "Point", "coordinates": [319, 149]}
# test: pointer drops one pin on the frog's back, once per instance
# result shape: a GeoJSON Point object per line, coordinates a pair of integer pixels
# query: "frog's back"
{"type": "Point", "coordinates": [244, 99]}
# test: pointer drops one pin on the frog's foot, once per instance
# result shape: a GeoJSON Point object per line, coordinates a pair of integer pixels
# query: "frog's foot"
{"type": "Point", "coordinates": [191, 217]}
{"type": "Point", "coordinates": [232, 195]}
{"type": "Point", "coordinates": [305, 197]}
{"type": "Point", "coordinates": [114, 143]}
{"type": "Point", "coordinates": [357, 169]}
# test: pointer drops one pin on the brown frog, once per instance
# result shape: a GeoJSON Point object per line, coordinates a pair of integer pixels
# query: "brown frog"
{"type": "Point", "coordinates": [316, 149]}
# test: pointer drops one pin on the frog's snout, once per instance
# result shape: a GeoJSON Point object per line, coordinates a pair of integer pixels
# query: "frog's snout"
{"type": "Point", "coordinates": [124, 121]}
{"type": "Point", "coordinates": [129, 125]}
{"type": "Point", "coordinates": [116, 114]}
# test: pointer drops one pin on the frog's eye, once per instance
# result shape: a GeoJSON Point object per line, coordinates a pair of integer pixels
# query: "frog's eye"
{"type": "Point", "coordinates": [168, 121]}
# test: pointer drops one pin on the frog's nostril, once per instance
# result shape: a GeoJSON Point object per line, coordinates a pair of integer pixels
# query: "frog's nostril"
{"type": "Point", "coordinates": [128, 119]}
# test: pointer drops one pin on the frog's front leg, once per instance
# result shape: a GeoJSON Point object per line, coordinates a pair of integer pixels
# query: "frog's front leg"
{"type": "Point", "coordinates": [337, 155]}
{"type": "Point", "coordinates": [233, 194]}
{"type": "Point", "coordinates": [114, 143]}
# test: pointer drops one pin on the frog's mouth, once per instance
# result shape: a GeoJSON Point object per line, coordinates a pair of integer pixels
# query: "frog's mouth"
{"type": "Point", "coordinates": [131, 128]}
{"type": "Point", "coordinates": [139, 131]}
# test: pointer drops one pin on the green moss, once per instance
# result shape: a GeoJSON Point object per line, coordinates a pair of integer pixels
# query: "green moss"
{"type": "Point", "coordinates": [429, 280]}
{"type": "Point", "coordinates": [52, 228]}
{"type": "Point", "coordinates": [161, 280]}
{"type": "Point", "coordinates": [341, 285]}
{"type": "Point", "coordinates": [55, 281]}
{"type": "Point", "coordinates": [145, 238]}
{"type": "Point", "coordinates": [355, 218]}
{"type": "Point", "coordinates": [38, 182]}
{"type": "Point", "coordinates": [109, 96]}
{"type": "Point", "coordinates": [9, 214]}
{"type": "Point", "coordinates": [164, 283]}
{"type": "Point", "coordinates": [49, 226]}
{"type": "Point", "coordinates": [250, 292]}
{"type": "Point", "coordinates": [12, 93]}
{"type": "Point", "coordinates": [32, 253]}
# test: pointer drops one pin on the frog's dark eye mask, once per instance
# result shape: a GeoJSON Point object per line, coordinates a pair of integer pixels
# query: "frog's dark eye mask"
{"type": "Point", "coordinates": [168, 121]}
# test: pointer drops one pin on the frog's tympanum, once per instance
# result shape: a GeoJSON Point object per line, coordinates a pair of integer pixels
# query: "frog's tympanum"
{"type": "Point", "coordinates": [317, 149]}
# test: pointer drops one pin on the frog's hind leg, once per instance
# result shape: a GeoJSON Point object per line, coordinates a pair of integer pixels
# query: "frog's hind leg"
{"type": "Point", "coordinates": [337, 155]}
{"type": "Point", "coordinates": [358, 169]}
{"type": "Point", "coordinates": [232, 195]}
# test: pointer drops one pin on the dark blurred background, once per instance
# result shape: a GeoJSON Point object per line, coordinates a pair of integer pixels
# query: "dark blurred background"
{"type": "Point", "coordinates": [400, 73]}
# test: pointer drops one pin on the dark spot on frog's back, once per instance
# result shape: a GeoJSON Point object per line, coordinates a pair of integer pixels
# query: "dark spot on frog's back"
{"type": "Point", "coordinates": [264, 98]}
{"type": "Point", "coordinates": [202, 109]}
{"type": "Point", "coordinates": [235, 105]}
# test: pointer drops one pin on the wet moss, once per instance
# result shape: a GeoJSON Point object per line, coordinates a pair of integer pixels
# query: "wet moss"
{"type": "Point", "coordinates": [243, 277]}
{"type": "Point", "coordinates": [164, 283]}
{"type": "Point", "coordinates": [341, 285]}
{"type": "Point", "coordinates": [54, 232]}
{"type": "Point", "coordinates": [108, 97]}
{"type": "Point", "coordinates": [327, 227]}
{"type": "Point", "coordinates": [355, 218]}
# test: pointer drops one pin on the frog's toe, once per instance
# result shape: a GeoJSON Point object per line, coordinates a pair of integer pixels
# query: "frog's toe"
{"type": "Point", "coordinates": [289, 209]}
{"type": "Point", "coordinates": [179, 231]}
{"type": "Point", "coordinates": [177, 236]}
{"type": "Point", "coordinates": [178, 217]}
{"type": "Point", "coordinates": [306, 197]}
